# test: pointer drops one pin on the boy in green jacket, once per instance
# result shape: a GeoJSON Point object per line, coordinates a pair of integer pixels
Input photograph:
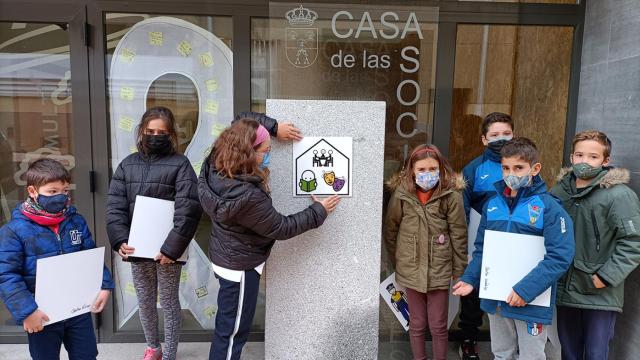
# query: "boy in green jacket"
{"type": "Point", "coordinates": [606, 218]}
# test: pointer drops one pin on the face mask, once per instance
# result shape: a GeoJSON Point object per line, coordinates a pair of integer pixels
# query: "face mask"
{"type": "Point", "coordinates": [496, 143]}
{"type": "Point", "coordinates": [53, 204]}
{"type": "Point", "coordinates": [157, 144]}
{"type": "Point", "coordinates": [427, 180]}
{"type": "Point", "coordinates": [585, 171]}
{"type": "Point", "coordinates": [517, 182]}
{"type": "Point", "coordinates": [266, 158]}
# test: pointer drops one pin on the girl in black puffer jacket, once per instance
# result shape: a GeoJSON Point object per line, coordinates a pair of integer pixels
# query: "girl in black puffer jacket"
{"type": "Point", "coordinates": [234, 192]}
{"type": "Point", "coordinates": [157, 171]}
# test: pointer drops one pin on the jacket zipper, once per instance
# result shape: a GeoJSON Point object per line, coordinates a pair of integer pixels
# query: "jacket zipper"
{"type": "Point", "coordinates": [59, 243]}
{"type": "Point", "coordinates": [595, 230]}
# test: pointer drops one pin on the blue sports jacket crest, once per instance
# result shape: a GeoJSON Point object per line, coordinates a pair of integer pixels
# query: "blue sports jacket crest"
{"type": "Point", "coordinates": [480, 175]}
{"type": "Point", "coordinates": [23, 242]}
{"type": "Point", "coordinates": [534, 212]}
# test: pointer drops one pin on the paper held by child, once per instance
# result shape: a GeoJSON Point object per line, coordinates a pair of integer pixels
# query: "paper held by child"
{"type": "Point", "coordinates": [152, 221]}
{"type": "Point", "coordinates": [67, 285]}
{"type": "Point", "coordinates": [506, 259]}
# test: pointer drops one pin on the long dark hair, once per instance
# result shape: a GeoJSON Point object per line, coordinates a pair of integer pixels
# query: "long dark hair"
{"type": "Point", "coordinates": [421, 152]}
{"type": "Point", "coordinates": [164, 114]}
{"type": "Point", "coordinates": [233, 152]}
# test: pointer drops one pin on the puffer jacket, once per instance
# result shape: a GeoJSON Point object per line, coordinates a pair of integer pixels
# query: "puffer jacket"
{"type": "Point", "coordinates": [480, 175]}
{"type": "Point", "coordinates": [167, 177]}
{"type": "Point", "coordinates": [533, 212]}
{"type": "Point", "coordinates": [245, 224]}
{"type": "Point", "coordinates": [23, 242]}
{"type": "Point", "coordinates": [606, 218]}
{"type": "Point", "coordinates": [427, 243]}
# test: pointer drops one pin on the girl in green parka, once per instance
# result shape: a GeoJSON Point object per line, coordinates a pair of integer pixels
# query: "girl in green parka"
{"type": "Point", "coordinates": [606, 218]}
{"type": "Point", "coordinates": [426, 236]}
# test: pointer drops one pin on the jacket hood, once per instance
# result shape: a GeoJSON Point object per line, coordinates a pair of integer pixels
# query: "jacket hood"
{"type": "Point", "coordinates": [224, 198]}
{"type": "Point", "coordinates": [397, 181]}
{"type": "Point", "coordinates": [17, 212]}
{"type": "Point", "coordinates": [614, 176]}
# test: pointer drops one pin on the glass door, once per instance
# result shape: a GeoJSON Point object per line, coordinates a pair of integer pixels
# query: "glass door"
{"type": "Point", "coordinates": [42, 68]}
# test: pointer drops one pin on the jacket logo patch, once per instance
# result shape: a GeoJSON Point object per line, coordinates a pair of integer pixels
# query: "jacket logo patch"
{"type": "Point", "coordinates": [563, 225]}
{"type": "Point", "coordinates": [492, 209]}
{"type": "Point", "coordinates": [534, 329]}
{"type": "Point", "coordinates": [76, 237]}
{"type": "Point", "coordinates": [484, 176]}
{"type": "Point", "coordinates": [534, 213]}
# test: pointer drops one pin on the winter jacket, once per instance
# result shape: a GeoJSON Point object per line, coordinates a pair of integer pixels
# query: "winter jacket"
{"type": "Point", "coordinates": [606, 218]}
{"type": "Point", "coordinates": [427, 243]}
{"type": "Point", "coordinates": [534, 212]}
{"type": "Point", "coordinates": [167, 177]}
{"type": "Point", "coordinates": [270, 124]}
{"type": "Point", "coordinates": [480, 175]}
{"type": "Point", "coordinates": [23, 242]}
{"type": "Point", "coordinates": [245, 224]}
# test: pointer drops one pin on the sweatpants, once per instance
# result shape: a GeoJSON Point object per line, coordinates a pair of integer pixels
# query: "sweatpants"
{"type": "Point", "coordinates": [430, 308]}
{"type": "Point", "coordinates": [148, 278]}
{"type": "Point", "coordinates": [75, 333]}
{"type": "Point", "coordinates": [236, 308]}
{"type": "Point", "coordinates": [585, 334]}
{"type": "Point", "coordinates": [470, 316]}
{"type": "Point", "coordinates": [513, 339]}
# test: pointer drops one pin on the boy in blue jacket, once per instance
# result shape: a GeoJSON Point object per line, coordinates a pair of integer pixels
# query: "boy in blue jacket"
{"type": "Point", "coordinates": [46, 225]}
{"type": "Point", "coordinates": [523, 206]}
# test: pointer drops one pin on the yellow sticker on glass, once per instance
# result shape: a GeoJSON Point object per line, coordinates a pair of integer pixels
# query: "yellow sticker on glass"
{"type": "Point", "coordinates": [126, 93]}
{"type": "Point", "coordinates": [197, 166]}
{"type": "Point", "coordinates": [210, 311]}
{"type": "Point", "coordinates": [129, 289]}
{"type": "Point", "coordinates": [156, 38]}
{"type": "Point", "coordinates": [206, 60]}
{"type": "Point", "coordinates": [127, 55]}
{"type": "Point", "coordinates": [217, 129]}
{"type": "Point", "coordinates": [126, 123]}
{"type": "Point", "coordinates": [133, 149]}
{"type": "Point", "coordinates": [184, 276]}
{"type": "Point", "coordinates": [184, 48]}
{"type": "Point", "coordinates": [212, 85]}
{"type": "Point", "coordinates": [212, 107]}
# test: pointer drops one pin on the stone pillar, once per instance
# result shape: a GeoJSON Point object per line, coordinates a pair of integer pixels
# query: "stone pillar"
{"type": "Point", "coordinates": [322, 287]}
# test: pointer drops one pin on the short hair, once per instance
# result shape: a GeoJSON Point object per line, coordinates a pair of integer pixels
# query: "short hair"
{"type": "Point", "coordinates": [495, 117]}
{"type": "Point", "coordinates": [522, 148]}
{"type": "Point", "coordinates": [44, 171]}
{"type": "Point", "coordinates": [594, 135]}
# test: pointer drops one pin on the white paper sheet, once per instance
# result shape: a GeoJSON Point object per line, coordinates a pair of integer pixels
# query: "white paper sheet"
{"type": "Point", "coordinates": [67, 285]}
{"type": "Point", "coordinates": [152, 222]}
{"type": "Point", "coordinates": [506, 259]}
{"type": "Point", "coordinates": [472, 231]}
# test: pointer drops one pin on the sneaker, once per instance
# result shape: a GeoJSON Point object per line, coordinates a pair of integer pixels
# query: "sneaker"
{"type": "Point", "coordinates": [152, 354]}
{"type": "Point", "coordinates": [469, 350]}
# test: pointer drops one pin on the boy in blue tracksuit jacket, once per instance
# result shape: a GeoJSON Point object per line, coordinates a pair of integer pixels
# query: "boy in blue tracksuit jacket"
{"type": "Point", "coordinates": [42, 226]}
{"type": "Point", "coordinates": [480, 174]}
{"type": "Point", "coordinates": [523, 206]}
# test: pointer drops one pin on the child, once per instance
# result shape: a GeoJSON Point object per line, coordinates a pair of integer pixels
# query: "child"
{"type": "Point", "coordinates": [44, 225]}
{"type": "Point", "coordinates": [426, 236]}
{"type": "Point", "coordinates": [523, 206]}
{"type": "Point", "coordinates": [606, 218]}
{"type": "Point", "coordinates": [157, 171]}
{"type": "Point", "coordinates": [234, 191]}
{"type": "Point", "coordinates": [481, 174]}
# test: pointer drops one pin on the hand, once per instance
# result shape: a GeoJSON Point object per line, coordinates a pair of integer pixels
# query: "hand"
{"type": "Point", "coordinates": [163, 259]}
{"type": "Point", "coordinates": [329, 203]}
{"type": "Point", "coordinates": [461, 288]}
{"type": "Point", "coordinates": [125, 250]}
{"type": "Point", "coordinates": [515, 300]}
{"type": "Point", "coordinates": [286, 131]}
{"type": "Point", "coordinates": [597, 282]}
{"type": "Point", "coordinates": [35, 322]}
{"type": "Point", "coordinates": [101, 301]}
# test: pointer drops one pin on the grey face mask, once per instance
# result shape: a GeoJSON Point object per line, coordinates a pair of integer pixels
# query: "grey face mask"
{"type": "Point", "coordinates": [585, 171]}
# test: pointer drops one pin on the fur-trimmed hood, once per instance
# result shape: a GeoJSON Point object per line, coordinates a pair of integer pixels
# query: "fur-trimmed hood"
{"type": "Point", "coordinates": [397, 179]}
{"type": "Point", "coordinates": [614, 176]}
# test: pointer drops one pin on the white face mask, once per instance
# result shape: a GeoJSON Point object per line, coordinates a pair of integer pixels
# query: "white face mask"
{"type": "Point", "coordinates": [427, 180]}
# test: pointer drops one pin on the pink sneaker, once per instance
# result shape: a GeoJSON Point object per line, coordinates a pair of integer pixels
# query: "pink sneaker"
{"type": "Point", "coordinates": [152, 354]}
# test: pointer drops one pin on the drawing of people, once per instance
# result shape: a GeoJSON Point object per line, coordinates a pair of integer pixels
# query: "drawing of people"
{"type": "Point", "coordinates": [399, 301]}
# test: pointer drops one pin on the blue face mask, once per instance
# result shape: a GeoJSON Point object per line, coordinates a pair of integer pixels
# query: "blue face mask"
{"type": "Point", "coordinates": [427, 180]}
{"type": "Point", "coordinates": [266, 157]}
{"type": "Point", "coordinates": [53, 204]}
{"type": "Point", "coordinates": [517, 182]}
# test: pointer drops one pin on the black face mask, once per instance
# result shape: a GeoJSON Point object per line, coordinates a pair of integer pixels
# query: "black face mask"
{"type": "Point", "coordinates": [496, 146]}
{"type": "Point", "coordinates": [158, 144]}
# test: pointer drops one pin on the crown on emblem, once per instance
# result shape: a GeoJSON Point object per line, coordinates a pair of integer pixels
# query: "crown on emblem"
{"type": "Point", "coordinates": [301, 16]}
